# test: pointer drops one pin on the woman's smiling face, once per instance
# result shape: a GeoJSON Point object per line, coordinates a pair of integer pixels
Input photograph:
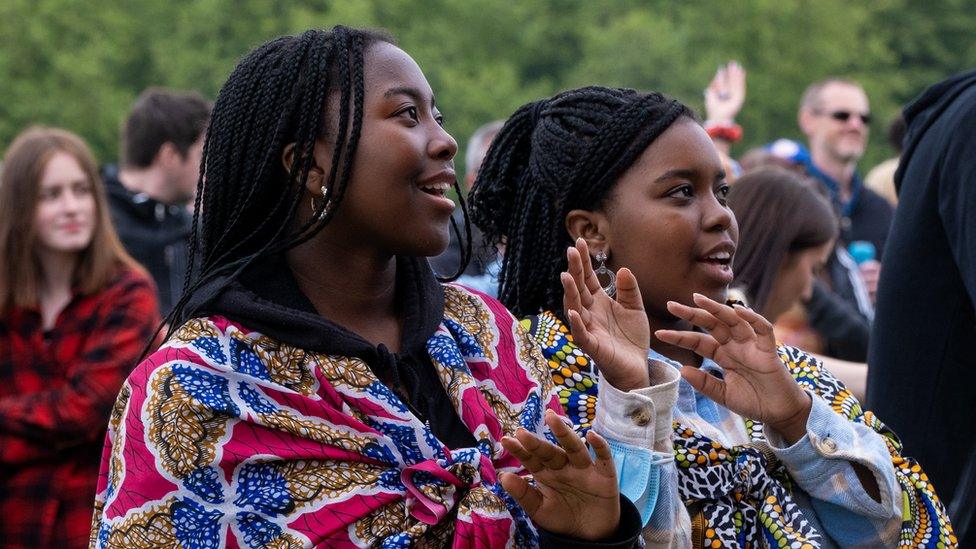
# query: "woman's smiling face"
{"type": "Point", "coordinates": [404, 163]}
{"type": "Point", "coordinates": [666, 219]}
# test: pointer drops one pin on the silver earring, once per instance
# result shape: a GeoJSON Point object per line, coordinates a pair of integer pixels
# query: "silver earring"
{"type": "Point", "coordinates": [611, 286]}
{"type": "Point", "coordinates": [315, 208]}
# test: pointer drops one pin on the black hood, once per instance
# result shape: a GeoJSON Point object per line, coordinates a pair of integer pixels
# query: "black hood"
{"type": "Point", "coordinates": [926, 109]}
{"type": "Point", "coordinates": [266, 298]}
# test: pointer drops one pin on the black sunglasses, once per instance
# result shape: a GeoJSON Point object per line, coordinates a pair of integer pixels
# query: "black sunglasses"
{"type": "Point", "coordinates": [844, 116]}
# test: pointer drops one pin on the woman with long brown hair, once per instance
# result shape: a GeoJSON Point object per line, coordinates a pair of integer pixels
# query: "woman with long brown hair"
{"type": "Point", "coordinates": [788, 234]}
{"type": "Point", "coordinates": [75, 313]}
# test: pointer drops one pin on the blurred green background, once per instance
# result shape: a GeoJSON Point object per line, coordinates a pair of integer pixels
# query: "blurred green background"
{"type": "Point", "coordinates": [80, 64]}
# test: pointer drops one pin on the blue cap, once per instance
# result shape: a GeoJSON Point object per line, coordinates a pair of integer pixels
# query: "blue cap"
{"type": "Point", "coordinates": [787, 149]}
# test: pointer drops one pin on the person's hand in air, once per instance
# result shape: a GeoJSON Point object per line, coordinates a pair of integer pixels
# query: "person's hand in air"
{"type": "Point", "coordinates": [756, 384]}
{"type": "Point", "coordinates": [574, 495]}
{"type": "Point", "coordinates": [726, 93]}
{"type": "Point", "coordinates": [613, 331]}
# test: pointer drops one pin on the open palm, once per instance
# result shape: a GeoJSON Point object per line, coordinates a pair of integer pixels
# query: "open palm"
{"type": "Point", "coordinates": [574, 495]}
{"type": "Point", "coordinates": [613, 331]}
{"type": "Point", "coordinates": [726, 92]}
{"type": "Point", "coordinates": [755, 383]}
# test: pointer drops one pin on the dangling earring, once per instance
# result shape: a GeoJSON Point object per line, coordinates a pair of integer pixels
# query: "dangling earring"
{"type": "Point", "coordinates": [611, 286]}
{"type": "Point", "coordinates": [324, 190]}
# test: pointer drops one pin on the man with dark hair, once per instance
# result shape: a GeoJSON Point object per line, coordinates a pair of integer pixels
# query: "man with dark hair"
{"type": "Point", "coordinates": [149, 194]}
{"type": "Point", "coordinates": [922, 378]}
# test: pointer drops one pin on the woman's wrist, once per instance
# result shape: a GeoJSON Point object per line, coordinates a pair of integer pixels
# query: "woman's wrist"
{"type": "Point", "coordinates": [793, 426]}
{"type": "Point", "coordinates": [629, 382]}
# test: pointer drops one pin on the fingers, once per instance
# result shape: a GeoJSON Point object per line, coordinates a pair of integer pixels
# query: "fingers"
{"type": "Point", "coordinates": [737, 74]}
{"type": "Point", "coordinates": [740, 330]}
{"type": "Point", "coordinates": [718, 81]}
{"type": "Point", "coordinates": [701, 344]}
{"type": "Point", "coordinates": [530, 461]}
{"type": "Point", "coordinates": [572, 444]}
{"type": "Point", "coordinates": [536, 454]}
{"type": "Point", "coordinates": [705, 383]}
{"type": "Point", "coordinates": [576, 269]}
{"type": "Point", "coordinates": [761, 326]}
{"type": "Point", "coordinates": [571, 296]}
{"type": "Point", "coordinates": [527, 496]}
{"type": "Point", "coordinates": [589, 276]}
{"type": "Point", "coordinates": [628, 291]}
{"type": "Point", "coordinates": [581, 335]}
{"type": "Point", "coordinates": [703, 319]}
{"type": "Point", "coordinates": [604, 458]}
{"type": "Point", "coordinates": [548, 454]}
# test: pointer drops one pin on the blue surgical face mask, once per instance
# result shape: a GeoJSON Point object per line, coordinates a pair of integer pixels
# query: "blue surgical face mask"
{"type": "Point", "coordinates": [638, 475]}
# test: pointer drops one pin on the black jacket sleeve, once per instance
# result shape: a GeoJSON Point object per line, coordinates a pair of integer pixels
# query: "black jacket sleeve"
{"type": "Point", "coordinates": [843, 329]}
{"type": "Point", "coordinates": [626, 536]}
{"type": "Point", "coordinates": [957, 194]}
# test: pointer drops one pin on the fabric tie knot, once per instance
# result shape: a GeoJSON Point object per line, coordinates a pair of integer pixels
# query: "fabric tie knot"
{"type": "Point", "coordinates": [435, 487]}
{"type": "Point", "coordinates": [745, 480]}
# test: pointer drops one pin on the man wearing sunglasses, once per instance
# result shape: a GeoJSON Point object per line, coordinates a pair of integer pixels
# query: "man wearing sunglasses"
{"type": "Point", "coordinates": [835, 116]}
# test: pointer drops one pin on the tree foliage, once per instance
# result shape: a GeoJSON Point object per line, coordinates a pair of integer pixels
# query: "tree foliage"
{"type": "Point", "coordinates": [80, 64]}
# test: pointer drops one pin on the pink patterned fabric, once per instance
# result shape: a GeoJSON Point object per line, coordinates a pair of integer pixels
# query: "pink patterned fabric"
{"type": "Point", "coordinates": [227, 438]}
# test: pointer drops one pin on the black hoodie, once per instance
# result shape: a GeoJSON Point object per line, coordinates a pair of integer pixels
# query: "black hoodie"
{"type": "Point", "coordinates": [922, 377]}
{"type": "Point", "coordinates": [267, 299]}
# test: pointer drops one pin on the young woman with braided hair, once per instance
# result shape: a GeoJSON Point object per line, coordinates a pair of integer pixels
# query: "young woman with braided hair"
{"type": "Point", "coordinates": [754, 445]}
{"type": "Point", "coordinates": [320, 387]}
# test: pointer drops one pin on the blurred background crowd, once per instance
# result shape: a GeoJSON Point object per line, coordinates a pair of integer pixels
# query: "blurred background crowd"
{"type": "Point", "coordinates": [808, 120]}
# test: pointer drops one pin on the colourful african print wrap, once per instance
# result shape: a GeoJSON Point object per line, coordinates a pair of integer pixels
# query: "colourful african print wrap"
{"type": "Point", "coordinates": [742, 496]}
{"type": "Point", "coordinates": [227, 438]}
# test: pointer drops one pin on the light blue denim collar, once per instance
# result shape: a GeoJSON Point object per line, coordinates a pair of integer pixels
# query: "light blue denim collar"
{"type": "Point", "coordinates": [691, 401]}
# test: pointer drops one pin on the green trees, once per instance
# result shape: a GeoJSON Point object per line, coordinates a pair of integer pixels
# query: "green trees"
{"type": "Point", "coordinates": [79, 64]}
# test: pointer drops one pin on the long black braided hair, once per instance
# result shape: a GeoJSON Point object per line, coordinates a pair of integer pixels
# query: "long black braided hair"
{"type": "Point", "coordinates": [553, 156]}
{"type": "Point", "coordinates": [246, 201]}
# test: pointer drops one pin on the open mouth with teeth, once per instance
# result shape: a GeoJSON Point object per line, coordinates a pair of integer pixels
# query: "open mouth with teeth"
{"type": "Point", "coordinates": [436, 189]}
{"type": "Point", "coordinates": [718, 258]}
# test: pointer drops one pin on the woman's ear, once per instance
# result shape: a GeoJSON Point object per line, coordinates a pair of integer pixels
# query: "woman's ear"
{"type": "Point", "coordinates": [316, 177]}
{"type": "Point", "coordinates": [589, 226]}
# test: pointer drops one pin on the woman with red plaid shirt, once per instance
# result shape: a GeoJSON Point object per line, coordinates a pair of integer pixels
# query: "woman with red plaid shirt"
{"type": "Point", "coordinates": [75, 314]}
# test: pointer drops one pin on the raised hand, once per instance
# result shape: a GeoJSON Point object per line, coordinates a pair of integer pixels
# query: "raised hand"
{"type": "Point", "coordinates": [871, 274]}
{"type": "Point", "coordinates": [574, 495]}
{"type": "Point", "coordinates": [613, 331]}
{"type": "Point", "coordinates": [756, 384]}
{"type": "Point", "coordinates": [726, 93]}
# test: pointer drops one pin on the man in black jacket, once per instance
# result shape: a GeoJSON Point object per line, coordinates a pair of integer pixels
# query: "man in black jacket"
{"type": "Point", "coordinates": [151, 192]}
{"type": "Point", "coordinates": [835, 116]}
{"type": "Point", "coordinates": [922, 378]}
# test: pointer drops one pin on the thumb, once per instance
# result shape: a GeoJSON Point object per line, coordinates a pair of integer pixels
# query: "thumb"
{"type": "Point", "coordinates": [628, 292]}
{"type": "Point", "coordinates": [527, 496]}
{"type": "Point", "coordinates": [705, 383]}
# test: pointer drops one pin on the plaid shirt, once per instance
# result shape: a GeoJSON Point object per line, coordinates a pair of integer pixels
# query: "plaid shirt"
{"type": "Point", "coordinates": [56, 391]}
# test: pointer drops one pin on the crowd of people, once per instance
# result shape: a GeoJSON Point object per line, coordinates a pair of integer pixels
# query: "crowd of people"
{"type": "Point", "coordinates": [280, 320]}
